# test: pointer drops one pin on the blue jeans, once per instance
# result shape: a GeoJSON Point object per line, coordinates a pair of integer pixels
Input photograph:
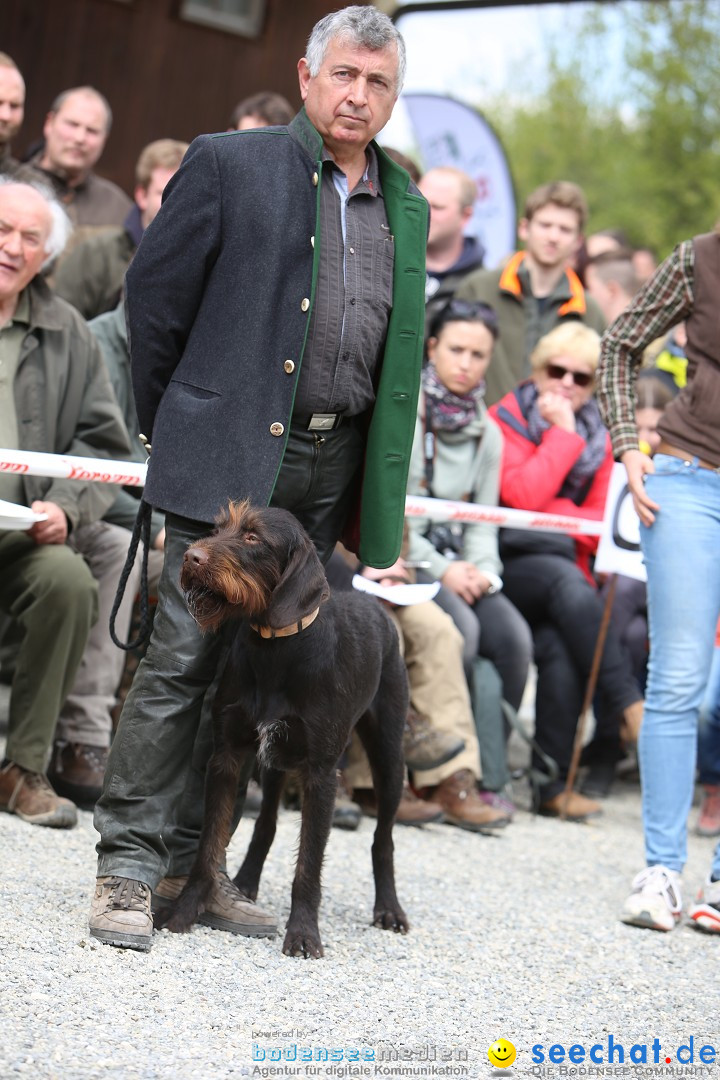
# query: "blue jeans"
{"type": "Point", "coordinates": [709, 733]}
{"type": "Point", "coordinates": [681, 555]}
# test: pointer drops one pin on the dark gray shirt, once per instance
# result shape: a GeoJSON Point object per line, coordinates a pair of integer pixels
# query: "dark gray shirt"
{"type": "Point", "coordinates": [353, 296]}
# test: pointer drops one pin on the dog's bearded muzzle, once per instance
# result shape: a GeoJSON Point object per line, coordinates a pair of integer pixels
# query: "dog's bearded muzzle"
{"type": "Point", "coordinates": [216, 588]}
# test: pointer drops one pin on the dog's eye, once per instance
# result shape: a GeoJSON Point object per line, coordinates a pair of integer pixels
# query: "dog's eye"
{"type": "Point", "coordinates": [251, 537]}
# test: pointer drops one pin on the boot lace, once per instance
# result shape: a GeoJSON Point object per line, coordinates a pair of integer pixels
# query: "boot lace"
{"type": "Point", "coordinates": [127, 894]}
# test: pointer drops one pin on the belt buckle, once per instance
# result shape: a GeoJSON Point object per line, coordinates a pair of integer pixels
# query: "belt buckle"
{"type": "Point", "coordinates": [320, 421]}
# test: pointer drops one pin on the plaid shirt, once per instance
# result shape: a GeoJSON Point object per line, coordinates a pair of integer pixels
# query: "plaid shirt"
{"type": "Point", "coordinates": [665, 300]}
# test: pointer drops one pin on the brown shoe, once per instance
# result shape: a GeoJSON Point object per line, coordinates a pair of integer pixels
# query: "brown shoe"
{"type": "Point", "coordinates": [120, 913]}
{"type": "Point", "coordinates": [411, 811]}
{"type": "Point", "coordinates": [425, 747]}
{"type": "Point", "coordinates": [29, 796]}
{"type": "Point", "coordinates": [227, 908]}
{"type": "Point", "coordinates": [78, 770]}
{"type": "Point", "coordinates": [463, 806]}
{"type": "Point", "coordinates": [578, 807]}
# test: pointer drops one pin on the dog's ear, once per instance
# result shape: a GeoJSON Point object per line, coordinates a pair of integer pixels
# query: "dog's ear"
{"type": "Point", "coordinates": [302, 587]}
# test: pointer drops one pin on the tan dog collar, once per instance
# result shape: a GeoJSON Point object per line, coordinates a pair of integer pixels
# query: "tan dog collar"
{"type": "Point", "coordinates": [286, 631]}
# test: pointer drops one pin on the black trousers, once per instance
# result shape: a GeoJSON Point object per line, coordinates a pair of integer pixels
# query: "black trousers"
{"type": "Point", "coordinates": [150, 813]}
{"type": "Point", "coordinates": [564, 612]}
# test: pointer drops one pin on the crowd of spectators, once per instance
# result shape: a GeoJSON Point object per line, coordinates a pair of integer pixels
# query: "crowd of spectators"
{"type": "Point", "coordinates": [507, 416]}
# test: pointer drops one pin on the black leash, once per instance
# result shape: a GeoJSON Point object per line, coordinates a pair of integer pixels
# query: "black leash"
{"type": "Point", "coordinates": [141, 531]}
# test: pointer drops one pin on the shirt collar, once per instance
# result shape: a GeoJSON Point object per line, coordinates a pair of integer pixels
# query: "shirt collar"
{"type": "Point", "coordinates": [370, 182]}
{"type": "Point", "coordinates": [22, 311]}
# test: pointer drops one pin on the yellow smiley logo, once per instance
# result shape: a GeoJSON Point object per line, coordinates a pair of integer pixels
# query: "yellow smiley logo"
{"type": "Point", "coordinates": [501, 1053]}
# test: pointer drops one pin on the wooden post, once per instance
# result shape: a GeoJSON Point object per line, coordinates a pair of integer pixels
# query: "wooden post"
{"type": "Point", "coordinates": [589, 694]}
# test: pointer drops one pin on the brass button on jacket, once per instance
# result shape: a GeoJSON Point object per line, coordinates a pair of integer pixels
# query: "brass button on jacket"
{"type": "Point", "coordinates": [289, 366]}
{"type": "Point", "coordinates": [315, 179]}
{"type": "Point", "coordinates": [305, 304]}
{"type": "Point", "coordinates": [277, 428]}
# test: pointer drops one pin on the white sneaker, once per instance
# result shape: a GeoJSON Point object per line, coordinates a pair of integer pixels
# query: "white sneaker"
{"type": "Point", "coordinates": [656, 900]}
{"type": "Point", "coordinates": [706, 912]}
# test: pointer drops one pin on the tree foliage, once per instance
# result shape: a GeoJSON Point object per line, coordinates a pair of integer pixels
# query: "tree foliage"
{"type": "Point", "coordinates": [645, 150]}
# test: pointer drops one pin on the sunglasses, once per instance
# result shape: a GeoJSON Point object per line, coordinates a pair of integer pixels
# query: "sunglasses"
{"type": "Point", "coordinates": [580, 378]}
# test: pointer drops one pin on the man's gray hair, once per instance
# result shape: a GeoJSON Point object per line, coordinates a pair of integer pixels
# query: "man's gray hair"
{"type": "Point", "coordinates": [362, 27]}
{"type": "Point", "coordinates": [60, 224]}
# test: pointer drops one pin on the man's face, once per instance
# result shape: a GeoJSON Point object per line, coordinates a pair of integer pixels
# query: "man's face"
{"type": "Point", "coordinates": [352, 96]}
{"type": "Point", "coordinates": [25, 224]}
{"type": "Point", "coordinates": [551, 236]}
{"type": "Point", "coordinates": [75, 135]}
{"type": "Point", "coordinates": [12, 103]}
{"type": "Point", "coordinates": [149, 199]}
{"type": "Point", "coordinates": [447, 216]}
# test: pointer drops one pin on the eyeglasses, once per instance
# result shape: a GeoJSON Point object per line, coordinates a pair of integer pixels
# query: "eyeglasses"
{"type": "Point", "coordinates": [580, 378]}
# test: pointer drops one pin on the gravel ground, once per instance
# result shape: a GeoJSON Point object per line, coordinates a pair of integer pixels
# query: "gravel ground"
{"type": "Point", "coordinates": [514, 937]}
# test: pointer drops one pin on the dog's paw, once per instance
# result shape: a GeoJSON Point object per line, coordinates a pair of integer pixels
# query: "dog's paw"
{"type": "Point", "coordinates": [391, 919]}
{"type": "Point", "coordinates": [246, 887]}
{"type": "Point", "coordinates": [171, 919]}
{"type": "Point", "coordinates": [305, 943]}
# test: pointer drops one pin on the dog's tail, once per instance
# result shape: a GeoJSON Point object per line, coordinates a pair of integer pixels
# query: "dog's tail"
{"type": "Point", "coordinates": [141, 530]}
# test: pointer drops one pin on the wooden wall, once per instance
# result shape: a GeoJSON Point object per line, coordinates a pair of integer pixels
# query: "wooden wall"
{"type": "Point", "coordinates": [163, 77]}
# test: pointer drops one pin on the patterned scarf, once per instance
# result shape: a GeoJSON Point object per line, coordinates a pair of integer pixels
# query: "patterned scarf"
{"type": "Point", "coordinates": [448, 411]}
{"type": "Point", "coordinates": [588, 424]}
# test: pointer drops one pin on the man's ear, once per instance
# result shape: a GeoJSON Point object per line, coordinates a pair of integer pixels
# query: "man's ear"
{"type": "Point", "coordinates": [304, 76]}
{"type": "Point", "coordinates": [523, 228]}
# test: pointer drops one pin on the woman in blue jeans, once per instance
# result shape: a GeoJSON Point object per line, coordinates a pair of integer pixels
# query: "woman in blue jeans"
{"type": "Point", "coordinates": [677, 497]}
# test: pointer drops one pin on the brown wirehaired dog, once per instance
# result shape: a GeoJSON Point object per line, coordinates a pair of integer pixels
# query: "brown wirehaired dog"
{"type": "Point", "coordinates": [304, 669]}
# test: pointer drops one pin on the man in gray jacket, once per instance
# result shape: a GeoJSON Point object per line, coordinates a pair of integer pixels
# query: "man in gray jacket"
{"type": "Point", "coordinates": [275, 313]}
{"type": "Point", "coordinates": [55, 397]}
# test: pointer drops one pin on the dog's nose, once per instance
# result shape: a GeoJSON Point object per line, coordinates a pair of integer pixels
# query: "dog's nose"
{"type": "Point", "coordinates": [195, 556]}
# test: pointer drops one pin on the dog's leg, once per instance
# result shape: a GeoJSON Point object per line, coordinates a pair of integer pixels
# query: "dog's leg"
{"type": "Point", "coordinates": [221, 783]}
{"type": "Point", "coordinates": [247, 878]}
{"type": "Point", "coordinates": [383, 747]}
{"type": "Point", "coordinates": [302, 937]}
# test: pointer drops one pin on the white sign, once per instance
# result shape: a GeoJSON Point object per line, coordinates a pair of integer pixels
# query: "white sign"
{"type": "Point", "coordinates": [619, 548]}
{"type": "Point", "coordinates": [444, 131]}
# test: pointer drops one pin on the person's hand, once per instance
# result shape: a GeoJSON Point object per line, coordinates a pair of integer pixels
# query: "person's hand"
{"type": "Point", "coordinates": [465, 580]}
{"type": "Point", "coordinates": [638, 466]}
{"type": "Point", "coordinates": [52, 531]}
{"type": "Point", "coordinates": [394, 575]}
{"type": "Point", "coordinates": [557, 410]}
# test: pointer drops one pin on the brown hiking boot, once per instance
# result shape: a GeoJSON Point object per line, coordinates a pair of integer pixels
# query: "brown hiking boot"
{"type": "Point", "coordinates": [120, 913]}
{"type": "Point", "coordinates": [227, 908]}
{"type": "Point", "coordinates": [30, 797]}
{"type": "Point", "coordinates": [425, 747]}
{"type": "Point", "coordinates": [577, 808]}
{"type": "Point", "coordinates": [463, 806]}
{"type": "Point", "coordinates": [77, 771]}
{"type": "Point", "coordinates": [411, 811]}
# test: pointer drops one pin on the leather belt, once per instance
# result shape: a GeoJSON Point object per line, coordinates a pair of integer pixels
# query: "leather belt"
{"type": "Point", "coordinates": [320, 421]}
{"type": "Point", "coordinates": [674, 451]}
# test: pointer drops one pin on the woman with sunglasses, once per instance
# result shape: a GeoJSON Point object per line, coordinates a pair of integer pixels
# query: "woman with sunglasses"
{"type": "Point", "coordinates": [456, 455]}
{"type": "Point", "coordinates": [557, 459]}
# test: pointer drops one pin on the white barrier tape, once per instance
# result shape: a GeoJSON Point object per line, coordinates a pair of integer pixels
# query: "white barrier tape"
{"type": "Point", "coordinates": [61, 467]}
{"type": "Point", "coordinates": [472, 513]}
{"type": "Point", "coordinates": [100, 470]}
